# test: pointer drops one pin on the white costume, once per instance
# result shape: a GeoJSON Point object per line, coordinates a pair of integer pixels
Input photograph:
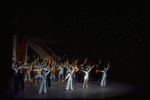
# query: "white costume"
{"type": "Point", "coordinates": [86, 77]}
{"type": "Point", "coordinates": [61, 70]}
{"type": "Point", "coordinates": [87, 74]}
{"type": "Point", "coordinates": [103, 81]}
{"type": "Point", "coordinates": [43, 84]}
{"type": "Point", "coordinates": [69, 83]}
{"type": "Point", "coordinates": [35, 66]}
{"type": "Point", "coordinates": [40, 68]}
{"type": "Point", "coordinates": [16, 69]}
{"type": "Point", "coordinates": [45, 69]}
{"type": "Point", "coordinates": [60, 73]}
{"type": "Point", "coordinates": [68, 68]}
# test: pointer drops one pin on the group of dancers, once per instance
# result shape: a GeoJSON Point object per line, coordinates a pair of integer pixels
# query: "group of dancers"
{"type": "Point", "coordinates": [44, 70]}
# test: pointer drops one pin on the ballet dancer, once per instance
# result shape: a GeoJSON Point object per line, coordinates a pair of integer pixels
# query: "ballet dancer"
{"type": "Point", "coordinates": [86, 77]}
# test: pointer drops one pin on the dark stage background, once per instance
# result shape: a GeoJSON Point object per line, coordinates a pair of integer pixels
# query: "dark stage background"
{"type": "Point", "coordinates": [114, 32]}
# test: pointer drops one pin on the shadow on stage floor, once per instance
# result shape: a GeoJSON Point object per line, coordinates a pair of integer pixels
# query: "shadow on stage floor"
{"type": "Point", "coordinates": [112, 90]}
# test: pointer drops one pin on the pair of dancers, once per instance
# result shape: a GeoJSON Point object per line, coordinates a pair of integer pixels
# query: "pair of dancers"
{"type": "Point", "coordinates": [69, 76]}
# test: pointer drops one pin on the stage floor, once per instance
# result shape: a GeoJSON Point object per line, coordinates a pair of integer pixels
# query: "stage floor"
{"type": "Point", "coordinates": [112, 90]}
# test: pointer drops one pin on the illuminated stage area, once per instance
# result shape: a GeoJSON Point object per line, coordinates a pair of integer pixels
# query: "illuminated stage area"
{"type": "Point", "coordinates": [112, 90]}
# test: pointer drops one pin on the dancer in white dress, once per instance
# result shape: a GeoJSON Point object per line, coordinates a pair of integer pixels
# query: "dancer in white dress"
{"type": "Point", "coordinates": [86, 77]}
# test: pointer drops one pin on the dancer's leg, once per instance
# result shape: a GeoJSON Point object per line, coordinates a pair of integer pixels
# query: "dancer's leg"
{"type": "Point", "coordinates": [84, 82]}
{"type": "Point", "coordinates": [71, 84]}
{"type": "Point", "coordinates": [67, 86]}
{"type": "Point", "coordinates": [102, 81]}
{"type": "Point", "coordinates": [87, 83]}
{"type": "Point", "coordinates": [41, 86]}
